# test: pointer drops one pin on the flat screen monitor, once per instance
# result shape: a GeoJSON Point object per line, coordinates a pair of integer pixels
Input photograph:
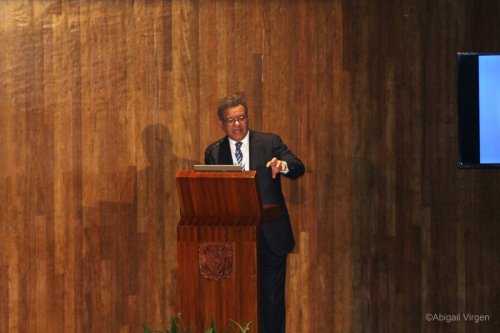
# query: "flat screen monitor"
{"type": "Point", "coordinates": [479, 110]}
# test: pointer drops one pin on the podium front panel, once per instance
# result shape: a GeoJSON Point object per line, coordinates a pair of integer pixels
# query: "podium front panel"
{"type": "Point", "coordinates": [203, 193]}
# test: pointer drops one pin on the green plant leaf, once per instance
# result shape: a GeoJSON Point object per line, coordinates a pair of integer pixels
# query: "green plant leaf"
{"type": "Point", "coordinates": [177, 326]}
{"type": "Point", "coordinates": [173, 326]}
{"type": "Point", "coordinates": [212, 327]}
{"type": "Point", "coordinates": [147, 329]}
{"type": "Point", "coordinates": [240, 327]}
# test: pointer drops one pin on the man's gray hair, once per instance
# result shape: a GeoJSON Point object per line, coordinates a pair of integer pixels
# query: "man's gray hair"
{"type": "Point", "coordinates": [229, 102]}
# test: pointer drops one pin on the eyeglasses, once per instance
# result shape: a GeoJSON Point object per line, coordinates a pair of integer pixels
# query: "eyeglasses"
{"type": "Point", "coordinates": [229, 121]}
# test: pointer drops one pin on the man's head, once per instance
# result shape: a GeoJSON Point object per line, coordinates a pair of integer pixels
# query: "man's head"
{"type": "Point", "coordinates": [233, 116]}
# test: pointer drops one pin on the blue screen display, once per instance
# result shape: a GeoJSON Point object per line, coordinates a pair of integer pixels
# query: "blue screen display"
{"type": "Point", "coordinates": [489, 108]}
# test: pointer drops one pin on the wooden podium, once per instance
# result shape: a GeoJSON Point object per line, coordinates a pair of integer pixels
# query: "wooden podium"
{"type": "Point", "coordinates": [217, 247]}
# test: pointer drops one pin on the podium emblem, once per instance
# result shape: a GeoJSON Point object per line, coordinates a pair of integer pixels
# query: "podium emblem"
{"type": "Point", "coordinates": [216, 260]}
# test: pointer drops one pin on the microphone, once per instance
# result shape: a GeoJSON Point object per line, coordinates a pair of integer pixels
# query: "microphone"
{"type": "Point", "coordinates": [213, 146]}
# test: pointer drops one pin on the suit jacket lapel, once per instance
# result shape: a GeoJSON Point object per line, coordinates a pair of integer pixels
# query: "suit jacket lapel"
{"type": "Point", "coordinates": [225, 152]}
{"type": "Point", "coordinates": [254, 150]}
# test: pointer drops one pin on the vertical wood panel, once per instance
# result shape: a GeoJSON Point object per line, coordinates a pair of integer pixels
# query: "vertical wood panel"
{"type": "Point", "coordinates": [100, 103]}
{"type": "Point", "coordinates": [412, 204]}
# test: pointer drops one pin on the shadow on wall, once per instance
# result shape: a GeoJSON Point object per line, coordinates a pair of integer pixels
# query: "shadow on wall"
{"type": "Point", "coordinates": [156, 192]}
{"type": "Point", "coordinates": [131, 243]}
{"type": "Point", "coordinates": [157, 217]}
{"type": "Point", "coordinates": [157, 145]}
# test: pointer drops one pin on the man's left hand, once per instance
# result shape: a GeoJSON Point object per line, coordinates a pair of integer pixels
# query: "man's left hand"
{"type": "Point", "coordinates": [276, 166]}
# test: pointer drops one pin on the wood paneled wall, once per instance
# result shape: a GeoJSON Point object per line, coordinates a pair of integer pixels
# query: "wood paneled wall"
{"type": "Point", "coordinates": [101, 101]}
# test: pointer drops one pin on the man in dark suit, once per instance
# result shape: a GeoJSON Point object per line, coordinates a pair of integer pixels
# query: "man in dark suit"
{"type": "Point", "coordinates": [266, 153]}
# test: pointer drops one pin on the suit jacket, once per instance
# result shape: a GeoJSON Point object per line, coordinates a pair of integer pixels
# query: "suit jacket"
{"type": "Point", "coordinates": [263, 147]}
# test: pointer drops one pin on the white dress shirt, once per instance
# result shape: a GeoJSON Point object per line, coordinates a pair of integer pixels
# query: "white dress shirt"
{"type": "Point", "coordinates": [245, 150]}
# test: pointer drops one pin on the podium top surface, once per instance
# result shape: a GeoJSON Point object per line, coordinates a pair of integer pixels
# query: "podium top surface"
{"type": "Point", "coordinates": [217, 167]}
{"type": "Point", "coordinates": [215, 174]}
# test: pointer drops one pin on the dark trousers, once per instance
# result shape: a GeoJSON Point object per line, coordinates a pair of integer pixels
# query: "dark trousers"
{"type": "Point", "coordinates": [272, 290]}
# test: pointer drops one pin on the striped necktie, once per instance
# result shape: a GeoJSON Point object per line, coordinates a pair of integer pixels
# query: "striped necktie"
{"type": "Point", "coordinates": [238, 153]}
